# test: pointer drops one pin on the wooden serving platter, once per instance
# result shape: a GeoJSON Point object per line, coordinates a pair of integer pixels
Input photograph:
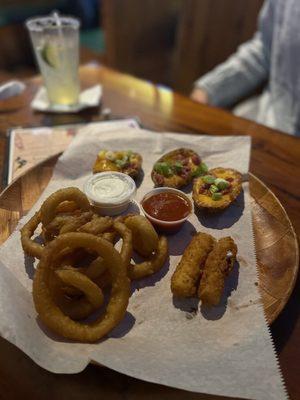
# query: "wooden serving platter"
{"type": "Point", "coordinates": [275, 239]}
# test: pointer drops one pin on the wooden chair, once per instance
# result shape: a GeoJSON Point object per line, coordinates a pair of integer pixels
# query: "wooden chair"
{"type": "Point", "coordinates": [175, 41]}
{"type": "Point", "coordinates": [139, 36]}
{"type": "Point", "coordinates": [208, 32]}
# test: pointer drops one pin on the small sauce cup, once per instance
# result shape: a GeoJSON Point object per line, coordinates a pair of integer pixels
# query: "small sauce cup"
{"type": "Point", "coordinates": [110, 193]}
{"type": "Point", "coordinates": [162, 225]}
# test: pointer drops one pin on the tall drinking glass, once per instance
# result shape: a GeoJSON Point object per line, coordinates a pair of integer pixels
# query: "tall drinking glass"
{"type": "Point", "coordinates": [55, 40]}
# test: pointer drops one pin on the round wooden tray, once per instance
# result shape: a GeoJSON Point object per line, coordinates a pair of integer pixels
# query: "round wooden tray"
{"type": "Point", "coordinates": [275, 239]}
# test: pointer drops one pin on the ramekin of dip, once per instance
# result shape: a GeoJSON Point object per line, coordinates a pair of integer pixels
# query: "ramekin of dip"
{"type": "Point", "coordinates": [110, 192]}
{"type": "Point", "coordinates": [167, 208]}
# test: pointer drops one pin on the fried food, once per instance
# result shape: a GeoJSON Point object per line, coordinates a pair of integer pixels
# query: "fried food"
{"type": "Point", "coordinates": [53, 228]}
{"type": "Point", "coordinates": [126, 234]}
{"type": "Point", "coordinates": [30, 247]}
{"type": "Point", "coordinates": [66, 206]}
{"type": "Point", "coordinates": [77, 307]}
{"type": "Point", "coordinates": [78, 259]}
{"type": "Point", "coordinates": [49, 207]}
{"type": "Point", "coordinates": [140, 270]}
{"type": "Point", "coordinates": [217, 267]}
{"type": "Point", "coordinates": [177, 168]}
{"type": "Point", "coordinates": [185, 280]}
{"type": "Point", "coordinates": [144, 237]}
{"type": "Point", "coordinates": [128, 162]}
{"type": "Point", "coordinates": [95, 268]}
{"type": "Point", "coordinates": [53, 317]}
{"type": "Point", "coordinates": [154, 264]}
{"type": "Point", "coordinates": [76, 222]}
{"type": "Point", "coordinates": [218, 189]}
{"type": "Point", "coordinates": [80, 281]}
{"type": "Point", "coordinates": [97, 225]}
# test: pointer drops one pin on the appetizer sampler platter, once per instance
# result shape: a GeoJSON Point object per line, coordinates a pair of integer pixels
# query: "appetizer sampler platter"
{"type": "Point", "coordinates": [143, 250]}
{"type": "Point", "coordinates": [275, 239]}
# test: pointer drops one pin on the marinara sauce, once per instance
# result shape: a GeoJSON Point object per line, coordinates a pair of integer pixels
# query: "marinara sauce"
{"type": "Point", "coordinates": [167, 206]}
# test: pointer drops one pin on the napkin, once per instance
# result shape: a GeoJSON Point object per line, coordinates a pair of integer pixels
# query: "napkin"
{"type": "Point", "coordinates": [88, 98]}
{"type": "Point", "coordinates": [226, 350]}
{"type": "Point", "coordinates": [10, 89]}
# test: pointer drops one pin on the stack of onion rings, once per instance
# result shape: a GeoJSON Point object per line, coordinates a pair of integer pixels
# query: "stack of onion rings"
{"type": "Point", "coordinates": [53, 316]}
{"type": "Point", "coordinates": [78, 259]}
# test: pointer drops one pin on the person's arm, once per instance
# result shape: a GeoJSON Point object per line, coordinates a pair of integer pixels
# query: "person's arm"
{"type": "Point", "coordinates": [242, 72]}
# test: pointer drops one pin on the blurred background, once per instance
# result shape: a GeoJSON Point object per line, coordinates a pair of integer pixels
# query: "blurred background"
{"type": "Point", "coordinates": [171, 42]}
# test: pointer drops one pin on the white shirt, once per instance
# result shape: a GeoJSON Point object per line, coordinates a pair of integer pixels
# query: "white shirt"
{"type": "Point", "coordinates": [272, 55]}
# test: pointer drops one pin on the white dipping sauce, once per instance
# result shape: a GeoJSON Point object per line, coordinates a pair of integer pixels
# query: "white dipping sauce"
{"type": "Point", "coordinates": [110, 188]}
{"type": "Point", "coordinates": [110, 192]}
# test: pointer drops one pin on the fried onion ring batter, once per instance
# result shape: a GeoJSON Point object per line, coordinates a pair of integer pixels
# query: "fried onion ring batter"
{"type": "Point", "coordinates": [52, 315]}
{"type": "Point", "coordinates": [149, 267]}
{"type": "Point", "coordinates": [49, 207]}
{"type": "Point", "coordinates": [27, 231]}
{"type": "Point", "coordinates": [144, 236]}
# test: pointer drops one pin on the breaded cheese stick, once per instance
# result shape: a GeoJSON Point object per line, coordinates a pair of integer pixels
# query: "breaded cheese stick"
{"type": "Point", "coordinates": [218, 265]}
{"type": "Point", "coordinates": [185, 279]}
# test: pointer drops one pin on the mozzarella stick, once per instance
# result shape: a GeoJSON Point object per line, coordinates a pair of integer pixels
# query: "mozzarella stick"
{"type": "Point", "coordinates": [186, 277]}
{"type": "Point", "coordinates": [217, 267]}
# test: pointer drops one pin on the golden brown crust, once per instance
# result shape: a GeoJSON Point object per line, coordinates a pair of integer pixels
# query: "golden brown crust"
{"type": "Point", "coordinates": [177, 180]}
{"type": "Point", "coordinates": [218, 265]}
{"type": "Point", "coordinates": [205, 201]}
{"type": "Point", "coordinates": [131, 168]}
{"type": "Point", "coordinates": [185, 279]}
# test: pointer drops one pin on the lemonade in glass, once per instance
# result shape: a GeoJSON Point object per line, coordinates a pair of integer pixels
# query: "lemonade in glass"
{"type": "Point", "coordinates": [55, 40]}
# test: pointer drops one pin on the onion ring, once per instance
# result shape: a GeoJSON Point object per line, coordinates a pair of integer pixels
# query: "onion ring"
{"type": "Point", "coordinates": [71, 260]}
{"type": "Point", "coordinates": [140, 270]}
{"type": "Point", "coordinates": [97, 225]}
{"type": "Point", "coordinates": [103, 280]}
{"type": "Point", "coordinates": [109, 236]}
{"type": "Point", "coordinates": [126, 235]}
{"type": "Point", "coordinates": [69, 300]}
{"type": "Point", "coordinates": [29, 246]}
{"type": "Point", "coordinates": [54, 226]}
{"type": "Point", "coordinates": [48, 209]}
{"type": "Point", "coordinates": [149, 267]}
{"type": "Point", "coordinates": [66, 206]}
{"type": "Point", "coordinates": [144, 236]}
{"type": "Point", "coordinates": [51, 314]}
{"type": "Point", "coordinates": [95, 269]}
{"type": "Point", "coordinates": [98, 266]}
{"type": "Point", "coordinates": [76, 222]}
{"type": "Point", "coordinates": [83, 307]}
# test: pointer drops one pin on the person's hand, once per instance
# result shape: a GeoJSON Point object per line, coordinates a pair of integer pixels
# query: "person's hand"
{"type": "Point", "coordinates": [199, 95]}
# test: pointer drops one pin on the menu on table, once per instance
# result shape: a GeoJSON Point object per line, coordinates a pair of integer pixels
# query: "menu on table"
{"type": "Point", "coordinates": [30, 146]}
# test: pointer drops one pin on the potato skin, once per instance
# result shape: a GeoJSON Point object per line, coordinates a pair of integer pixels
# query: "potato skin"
{"type": "Point", "coordinates": [176, 180]}
{"type": "Point", "coordinates": [204, 201]}
{"type": "Point", "coordinates": [102, 164]}
{"type": "Point", "coordinates": [184, 281]}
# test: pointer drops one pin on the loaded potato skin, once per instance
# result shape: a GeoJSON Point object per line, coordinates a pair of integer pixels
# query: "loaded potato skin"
{"type": "Point", "coordinates": [177, 168]}
{"type": "Point", "coordinates": [218, 189]}
{"type": "Point", "coordinates": [125, 161]}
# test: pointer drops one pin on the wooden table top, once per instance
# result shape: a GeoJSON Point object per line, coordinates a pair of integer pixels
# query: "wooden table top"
{"type": "Point", "coordinates": [275, 160]}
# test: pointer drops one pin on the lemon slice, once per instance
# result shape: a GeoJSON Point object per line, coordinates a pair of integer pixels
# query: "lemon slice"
{"type": "Point", "coordinates": [50, 55]}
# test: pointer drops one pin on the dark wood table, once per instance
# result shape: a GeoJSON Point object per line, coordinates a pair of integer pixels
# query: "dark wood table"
{"type": "Point", "coordinates": [275, 160]}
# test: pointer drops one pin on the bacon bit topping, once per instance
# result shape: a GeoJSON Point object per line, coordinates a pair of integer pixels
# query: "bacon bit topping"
{"type": "Point", "coordinates": [196, 160]}
{"type": "Point", "coordinates": [159, 179]}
